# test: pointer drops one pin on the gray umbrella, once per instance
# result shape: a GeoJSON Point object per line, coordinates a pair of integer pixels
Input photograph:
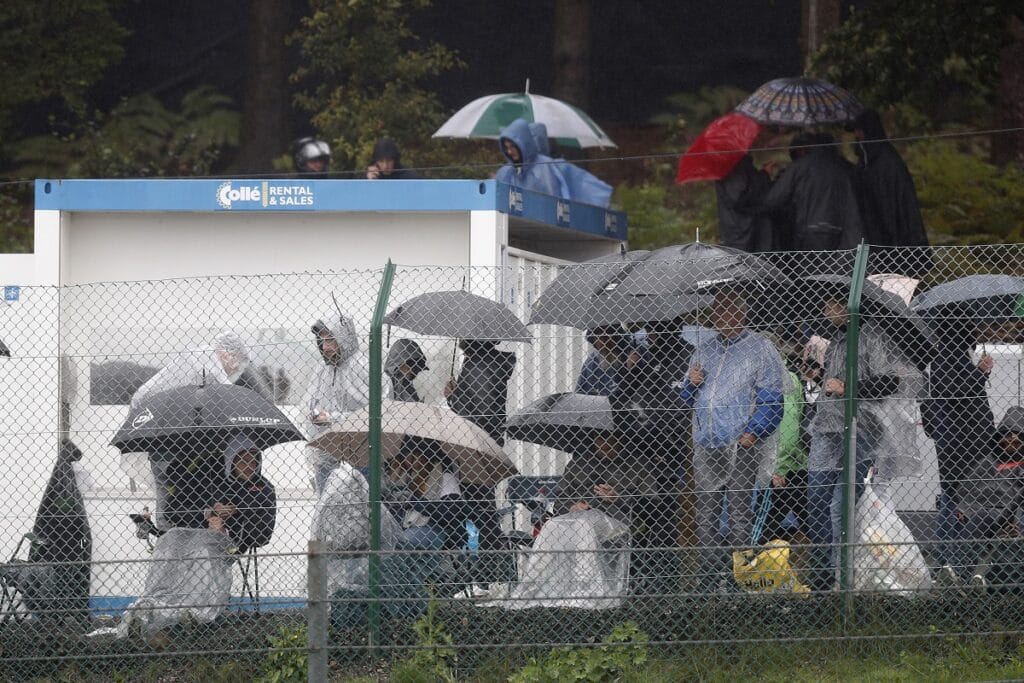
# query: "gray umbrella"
{"type": "Point", "coordinates": [566, 421]}
{"type": "Point", "coordinates": [978, 297]}
{"type": "Point", "coordinates": [460, 315]}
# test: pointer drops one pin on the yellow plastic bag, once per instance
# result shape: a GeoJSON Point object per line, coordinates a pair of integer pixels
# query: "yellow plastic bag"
{"type": "Point", "coordinates": [768, 571]}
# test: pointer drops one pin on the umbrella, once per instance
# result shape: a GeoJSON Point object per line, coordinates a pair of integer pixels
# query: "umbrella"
{"type": "Point", "coordinates": [458, 314]}
{"type": "Point", "coordinates": [4, 351]}
{"type": "Point", "coordinates": [479, 457]}
{"type": "Point", "coordinates": [115, 382]}
{"type": "Point", "coordinates": [905, 327]}
{"type": "Point", "coordinates": [485, 117]}
{"type": "Point", "coordinates": [800, 101]}
{"type": "Point", "coordinates": [696, 267]}
{"type": "Point", "coordinates": [202, 417]}
{"type": "Point", "coordinates": [566, 422]}
{"type": "Point", "coordinates": [718, 149]}
{"type": "Point", "coordinates": [981, 297]}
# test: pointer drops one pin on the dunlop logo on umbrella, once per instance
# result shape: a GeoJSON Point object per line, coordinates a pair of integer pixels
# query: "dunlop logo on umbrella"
{"type": "Point", "coordinates": [142, 418]}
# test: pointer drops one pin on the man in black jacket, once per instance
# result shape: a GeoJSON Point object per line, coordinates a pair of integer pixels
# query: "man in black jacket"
{"type": "Point", "coordinates": [387, 163]}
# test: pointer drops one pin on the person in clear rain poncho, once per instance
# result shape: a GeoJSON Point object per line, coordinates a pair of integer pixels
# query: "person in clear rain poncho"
{"type": "Point", "coordinates": [886, 439]}
{"type": "Point", "coordinates": [736, 384]}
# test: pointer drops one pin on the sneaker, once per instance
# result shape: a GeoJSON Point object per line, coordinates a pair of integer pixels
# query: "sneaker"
{"type": "Point", "coordinates": [979, 581]}
{"type": "Point", "coordinates": [946, 576]}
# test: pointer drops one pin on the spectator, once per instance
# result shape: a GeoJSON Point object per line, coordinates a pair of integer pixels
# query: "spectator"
{"type": "Point", "coordinates": [889, 386]}
{"type": "Point", "coordinates": [603, 367]}
{"type": "Point", "coordinates": [602, 479]}
{"type": "Point", "coordinates": [341, 385]}
{"type": "Point", "coordinates": [736, 384]}
{"type": "Point", "coordinates": [739, 225]}
{"type": "Point", "coordinates": [404, 362]}
{"type": "Point", "coordinates": [892, 216]}
{"type": "Point", "coordinates": [958, 418]}
{"type": "Point", "coordinates": [387, 163]}
{"type": "Point", "coordinates": [427, 495]}
{"type": "Point", "coordinates": [480, 394]}
{"type": "Point", "coordinates": [817, 191]}
{"type": "Point", "coordinates": [312, 158]}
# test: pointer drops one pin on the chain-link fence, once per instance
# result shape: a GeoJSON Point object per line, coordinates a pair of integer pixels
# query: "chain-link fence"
{"type": "Point", "coordinates": [718, 447]}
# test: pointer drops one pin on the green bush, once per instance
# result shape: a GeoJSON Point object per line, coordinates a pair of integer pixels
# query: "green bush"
{"type": "Point", "coordinates": [625, 649]}
{"type": "Point", "coordinates": [433, 659]}
{"type": "Point", "coordinates": [288, 661]}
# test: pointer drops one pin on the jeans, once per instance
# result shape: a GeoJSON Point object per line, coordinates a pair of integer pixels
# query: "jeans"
{"type": "Point", "coordinates": [949, 532]}
{"type": "Point", "coordinates": [824, 521]}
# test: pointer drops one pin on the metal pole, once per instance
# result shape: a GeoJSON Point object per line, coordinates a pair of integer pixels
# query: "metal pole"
{"type": "Point", "coordinates": [316, 612]}
{"type": "Point", "coordinates": [376, 394]}
{"type": "Point", "coordinates": [848, 537]}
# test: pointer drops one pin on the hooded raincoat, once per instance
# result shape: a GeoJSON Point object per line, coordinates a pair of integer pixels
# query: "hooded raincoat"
{"type": "Point", "coordinates": [481, 391]}
{"type": "Point", "coordinates": [387, 149]}
{"type": "Point", "coordinates": [404, 352]}
{"type": "Point", "coordinates": [890, 386]}
{"type": "Point", "coordinates": [740, 226]}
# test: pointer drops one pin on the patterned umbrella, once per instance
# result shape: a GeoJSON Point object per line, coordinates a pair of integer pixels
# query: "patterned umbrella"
{"type": "Point", "coordinates": [485, 117]}
{"type": "Point", "coordinates": [800, 102]}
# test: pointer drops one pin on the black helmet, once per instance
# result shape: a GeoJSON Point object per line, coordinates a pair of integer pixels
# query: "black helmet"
{"type": "Point", "coordinates": [308, 149]}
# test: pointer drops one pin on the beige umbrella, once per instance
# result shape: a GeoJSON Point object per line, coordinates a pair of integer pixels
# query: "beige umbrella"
{"type": "Point", "coordinates": [479, 458]}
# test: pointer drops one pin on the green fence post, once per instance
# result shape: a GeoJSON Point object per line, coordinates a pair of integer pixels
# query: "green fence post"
{"type": "Point", "coordinates": [376, 394]}
{"type": "Point", "coordinates": [848, 537]}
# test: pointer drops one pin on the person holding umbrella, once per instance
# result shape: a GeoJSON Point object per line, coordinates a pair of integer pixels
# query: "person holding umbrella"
{"type": "Point", "coordinates": [736, 385]}
{"type": "Point", "coordinates": [480, 393]}
{"type": "Point", "coordinates": [404, 363]}
{"type": "Point", "coordinates": [341, 385]}
{"type": "Point", "coordinates": [602, 369]}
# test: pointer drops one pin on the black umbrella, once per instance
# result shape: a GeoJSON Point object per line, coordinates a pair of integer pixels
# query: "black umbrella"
{"type": "Point", "coordinates": [905, 327]}
{"type": "Point", "coordinates": [202, 418]}
{"type": "Point", "coordinates": [4, 351]}
{"type": "Point", "coordinates": [800, 101]}
{"type": "Point", "coordinates": [975, 297]}
{"type": "Point", "coordinates": [116, 381]}
{"type": "Point", "coordinates": [565, 422]}
{"type": "Point", "coordinates": [459, 315]}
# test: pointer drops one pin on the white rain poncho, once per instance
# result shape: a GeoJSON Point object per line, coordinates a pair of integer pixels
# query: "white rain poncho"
{"type": "Point", "coordinates": [341, 521]}
{"type": "Point", "coordinates": [189, 580]}
{"type": "Point", "coordinates": [200, 366]}
{"type": "Point", "coordinates": [886, 426]}
{"type": "Point", "coordinates": [579, 560]}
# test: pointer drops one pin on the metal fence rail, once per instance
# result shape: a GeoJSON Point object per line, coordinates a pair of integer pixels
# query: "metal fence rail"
{"type": "Point", "coordinates": [352, 467]}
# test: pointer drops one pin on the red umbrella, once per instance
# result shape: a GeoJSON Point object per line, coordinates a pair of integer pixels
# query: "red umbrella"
{"type": "Point", "coordinates": [718, 149]}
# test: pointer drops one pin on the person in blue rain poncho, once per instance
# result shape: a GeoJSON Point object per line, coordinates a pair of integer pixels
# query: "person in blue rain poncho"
{"type": "Point", "coordinates": [736, 385]}
{"type": "Point", "coordinates": [528, 169]}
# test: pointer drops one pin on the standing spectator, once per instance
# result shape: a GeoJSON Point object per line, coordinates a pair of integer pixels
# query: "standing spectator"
{"type": "Point", "coordinates": [739, 225]}
{"type": "Point", "coordinates": [603, 367]}
{"type": "Point", "coordinates": [404, 362]}
{"type": "Point", "coordinates": [387, 163]}
{"type": "Point", "coordinates": [341, 385]}
{"type": "Point", "coordinates": [889, 386]}
{"type": "Point", "coordinates": [527, 168]}
{"type": "Point", "coordinates": [312, 158]}
{"type": "Point", "coordinates": [736, 384]}
{"type": "Point", "coordinates": [480, 394]}
{"type": "Point", "coordinates": [958, 418]}
{"type": "Point", "coordinates": [892, 216]}
{"type": "Point", "coordinates": [817, 190]}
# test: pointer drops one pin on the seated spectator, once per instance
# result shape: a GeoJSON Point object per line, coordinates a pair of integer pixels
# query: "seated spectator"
{"type": "Point", "coordinates": [387, 163]}
{"type": "Point", "coordinates": [425, 495]}
{"type": "Point", "coordinates": [219, 507]}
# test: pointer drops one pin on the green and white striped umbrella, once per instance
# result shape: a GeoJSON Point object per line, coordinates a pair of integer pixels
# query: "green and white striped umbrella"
{"type": "Point", "coordinates": [486, 116]}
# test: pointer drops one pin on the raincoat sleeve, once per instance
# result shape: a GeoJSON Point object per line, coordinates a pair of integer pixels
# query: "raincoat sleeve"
{"type": "Point", "coordinates": [581, 186]}
{"type": "Point", "coordinates": [767, 415]}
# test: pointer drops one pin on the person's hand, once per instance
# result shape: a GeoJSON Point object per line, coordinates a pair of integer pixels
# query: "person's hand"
{"type": "Point", "coordinates": [834, 387]}
{"type": "Point", "coordinates": [778, 481]}
{"type": "Point", "coordinates": [449, 388]}
{"type": "Point", "coordinates": [604, 491]}
{"type": "Point", "coordinates": [770, 168]}
{"type": "Point", "coordinates": [986, 363]}
{"type": "Point", "coordinates": [372, 172]}
{"type": "Point", "coordinates": [695, 375]}
{"type": "Point", "coordinates": [223, 510]}
{"type": "Point", "coordinates": [579, 506]}
{"type": "Point", "coordinates": [632, 360]}
{"type": "Point", "coordinates": [320, 419]}
{"type": "Point", "coordinates": [216, 523]}
{"type": "Point", "coordinates": [747, 440]}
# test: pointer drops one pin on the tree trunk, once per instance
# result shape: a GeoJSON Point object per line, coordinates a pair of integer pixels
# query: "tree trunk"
{"type": "Point", "coordinates": [817, 18]}
{"type": "Point", "coordinates": [1009, 147]}
{"type": "Point", "coordinates": [572, 52]}
{"type": "Point", "coordinates": [265, 108]}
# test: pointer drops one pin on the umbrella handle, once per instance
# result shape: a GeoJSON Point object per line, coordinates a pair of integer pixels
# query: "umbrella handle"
{"type": "Point", "coordinates": [455, 350]}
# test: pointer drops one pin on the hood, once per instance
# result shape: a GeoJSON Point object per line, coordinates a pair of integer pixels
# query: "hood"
{"type": "Point", "coordinates": [1013, 421]}
{"type": "Point", "coordinates": [518, 132]}
{"type": "Point", "coordinates": [871, 123]}
{"type": "Point", "coordinates": [405, 351]}
{"type": "Point", "coordinates": [387, 149]}
{"type": "Point", "coordinates": [540, 137]}
{"type": "Point", "coordinates": [238, 444]}
{"type": "Point", "coordinates": [343, 330]}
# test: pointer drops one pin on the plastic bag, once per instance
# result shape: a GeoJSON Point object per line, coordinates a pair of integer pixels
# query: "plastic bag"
{"type": "Point", "coordinates": [886, 556]}
{"type": "Point", "coordinates": [769, 571]}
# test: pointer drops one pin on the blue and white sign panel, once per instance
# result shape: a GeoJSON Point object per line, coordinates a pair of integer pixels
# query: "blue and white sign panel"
{"type": "Point", "coordinates": [12, 293]}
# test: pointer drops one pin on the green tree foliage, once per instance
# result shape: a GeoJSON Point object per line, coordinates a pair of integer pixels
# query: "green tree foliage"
{"type": "Point", "coordinates": [623, 651]}
{"type": "Point", "coordinates": [367, 75]}
{"type": "Point", "coordinates": [54, 51]}
{"type": "Point", "coordinates": [939, 56]}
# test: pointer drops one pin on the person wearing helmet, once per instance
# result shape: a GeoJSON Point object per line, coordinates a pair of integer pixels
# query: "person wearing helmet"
{"type": "Point", "coordinates": [312, 157]}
